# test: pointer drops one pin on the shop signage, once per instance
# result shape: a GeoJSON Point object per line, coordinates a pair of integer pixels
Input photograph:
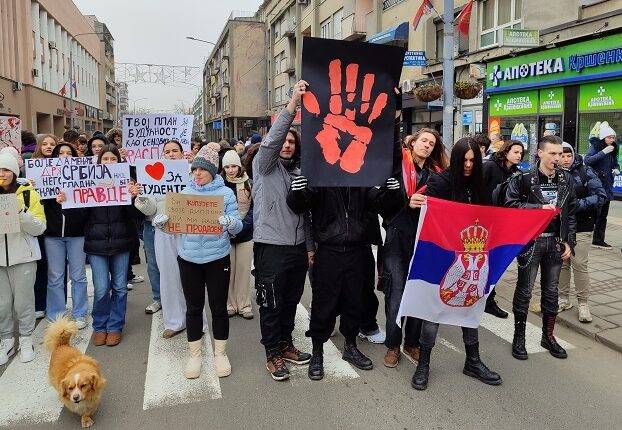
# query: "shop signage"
{"type": "Point", "coordinates": [520, 38]}
{"type": "Point", "coordinates": [586, 61]}
{"type": "Point", "coordinates": [516, 103]}
{"type": "Point", "coordinates": [388, 4]}
{"type": "Point", "coordinates": [415, 58]}
{"type": "Point", "coordinates": [467, 117]}
{"type": "Point", "coordinates": [600, 96]}
{"type": "Point", "coordinates": [552, 100]}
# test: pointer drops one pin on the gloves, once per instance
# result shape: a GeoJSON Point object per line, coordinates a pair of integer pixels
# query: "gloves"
{"type": "Point", "coordinates": [393, 184]}
{"type": "Point", "coordinates": [299, 183]}
{"type": "Point", "coordinates": [226, 221]}
{"type": "Point", "coordinates": [608, 149]}
{"type": "Point", "coordinates": [160, 220]}
{"type": "Point", "coordinates": [615, 172]}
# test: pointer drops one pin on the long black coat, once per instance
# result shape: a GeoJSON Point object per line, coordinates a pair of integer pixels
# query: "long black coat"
{"type": "Point", "coordinates": [110, 230]}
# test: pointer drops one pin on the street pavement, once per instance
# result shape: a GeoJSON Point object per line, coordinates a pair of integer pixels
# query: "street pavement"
{"type": "Point", "coordinates": [146, 388]}
{"type": "Point", "coordinates": [605, 299]}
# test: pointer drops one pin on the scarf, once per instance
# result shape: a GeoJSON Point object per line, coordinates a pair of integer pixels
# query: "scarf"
{"type": "Point", "coordinates": [242, 194]}
{"type": "Point", "coordinates": [409, 174]}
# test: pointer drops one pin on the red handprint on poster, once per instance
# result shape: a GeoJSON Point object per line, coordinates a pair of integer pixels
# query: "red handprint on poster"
{"type": "Point", "coordinates": [343, 107]}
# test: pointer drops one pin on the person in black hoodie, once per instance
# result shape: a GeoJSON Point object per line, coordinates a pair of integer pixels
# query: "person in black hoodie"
{"type": "Point", "coordinates": [502, 165]}
{"type": "Point", "coordinates": [109, 234]}
{"type": "Point", "coordinates": [341, 230]}
{"type": "Point", "coordinates": [64, 245]}
{"type": "Point", "coordinates": [461, 182]}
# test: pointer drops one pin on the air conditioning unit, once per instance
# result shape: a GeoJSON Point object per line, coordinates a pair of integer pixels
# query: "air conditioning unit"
{"type": "Point", "coordinates": [18, 86]}
{"type": "Point", "coordinates": [35, 73]}
{"type": "Point", "coordinates": [52, 44]}
{"type": "Point", "coordinates": [408, 86]}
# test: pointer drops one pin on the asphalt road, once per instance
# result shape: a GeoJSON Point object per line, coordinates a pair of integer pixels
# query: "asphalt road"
{"type": "Point", "coordinates": [146, 389]}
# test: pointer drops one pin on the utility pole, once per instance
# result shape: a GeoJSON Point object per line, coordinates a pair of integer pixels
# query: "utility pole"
{"type": "Point", "coordinates": [448, 73]}
{"type": "Point", "coordinates": [72, 113]}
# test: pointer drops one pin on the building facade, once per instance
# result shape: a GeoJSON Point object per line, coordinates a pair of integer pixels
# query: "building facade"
{"type": "Point", "coordinates": [198, 128]}
{"type": "Point", "coordinates": [107, 90]}
{"type": "Point", "coordinates": [41, 42]}
{"type": "Point", "coordinates": [234, 84]}
{"type": "Point", "coordinates": [123, 101]}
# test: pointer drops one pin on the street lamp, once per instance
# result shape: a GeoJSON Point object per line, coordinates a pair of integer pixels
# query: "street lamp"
{"type": "Point", "coordinates": [222, 107]}
{"type": "Point", "coordinates": [71, 108]}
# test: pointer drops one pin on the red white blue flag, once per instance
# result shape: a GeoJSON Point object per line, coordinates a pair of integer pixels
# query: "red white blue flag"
{"type": "Point", "coordinates": [460, 254]}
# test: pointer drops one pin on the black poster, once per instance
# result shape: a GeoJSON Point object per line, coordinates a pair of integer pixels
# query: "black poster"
{"type": "Point", "coordinates": [348, 112]}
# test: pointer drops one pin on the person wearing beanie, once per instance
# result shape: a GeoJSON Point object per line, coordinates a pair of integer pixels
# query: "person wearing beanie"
{"type": "Point", "coordinates": [239, 301]}
{"type": "Point", "coordinates": [602, 156]}
{"type": "Point", "coordinates": [18, 255]}
{"type": "Point", "coordinates": [591, 195]}
{"type": "Point", "coordinates": [255, 138]}
{"type": "Point", "coordinates": [204, 263]}
{"type": "Point", "coordinates": [280, 251]}
{"type": "Point", "coordinates": [15, 154]}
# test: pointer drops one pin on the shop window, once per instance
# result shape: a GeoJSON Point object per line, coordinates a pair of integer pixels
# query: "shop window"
{"type": "Point", "coordinates": [496, 15]}
{"type": "Point", "coordinates": [520, 128]}
{"type": "Point", "coordinates": [587, 120]}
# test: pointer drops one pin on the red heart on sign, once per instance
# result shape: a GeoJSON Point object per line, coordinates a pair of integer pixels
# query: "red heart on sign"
{"type": "Point", "coordinates": [155, 170]}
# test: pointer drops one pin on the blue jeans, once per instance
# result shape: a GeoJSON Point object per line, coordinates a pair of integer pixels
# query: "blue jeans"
{"type": "Point", "coordinates": [60, 252]}
{"type": "Point", "coordinates": [152, 266]}
{"type": "Point", "coordinates": [110, 301]}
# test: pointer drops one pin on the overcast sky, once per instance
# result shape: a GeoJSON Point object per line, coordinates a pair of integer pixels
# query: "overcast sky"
{"type": "Point", "coordinates": [154, 31]}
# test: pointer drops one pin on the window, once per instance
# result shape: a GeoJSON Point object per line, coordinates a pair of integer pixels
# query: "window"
{"type": "Point", "coordinates": [496, 15]}
{"type": "Point", "coordinates": [326, 29]}
{"type": "Point", "coordinates": [278, 63]}
{"type": "Point", "coordinates": [34, 45]}
{"type": "Point", "coordinates": [277, 30]}
{"type": "Point", "coordinates": [42, 42]}
{"type": "Point", "coordinates": [283, 62]}
{"type": "Point", "coordinates": [337, 18]}
{"type": "Point", "coordinates": [463, 40]}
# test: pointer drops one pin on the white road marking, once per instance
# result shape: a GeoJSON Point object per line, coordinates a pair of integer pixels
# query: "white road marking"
{"type": "Point", "coordinates": [335, 368]}
{"type": "Point", "coordinates": [165, 384]}
{"type": "Point", "coordinates": [504, 328]}
{"type": "Point", "coordinates": [25, 393]}
{"type": "Point", "coordinates": [449, 345]}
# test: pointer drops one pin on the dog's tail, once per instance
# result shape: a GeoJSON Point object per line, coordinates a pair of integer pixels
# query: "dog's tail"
{"type": "Point", "coordinates": [59, 333]}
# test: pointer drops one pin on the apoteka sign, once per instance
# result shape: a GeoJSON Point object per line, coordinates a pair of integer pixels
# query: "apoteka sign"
{"type": "Point", "coordinates": [537, 68]}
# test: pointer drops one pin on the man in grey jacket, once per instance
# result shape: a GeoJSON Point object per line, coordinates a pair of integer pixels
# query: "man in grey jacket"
{"type": "Point", "coordinates": [280, 250]}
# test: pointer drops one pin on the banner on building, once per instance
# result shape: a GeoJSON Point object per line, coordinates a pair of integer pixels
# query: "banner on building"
{"type": "Point", "coordinates": [51, 175]}
{"type": "Point", "coordinates": [348, 112]}
{"type": "Point", "coordinates": [143, 135]}
{"type": "Point", "coordinates": [10, 132]}
{"type": "Point", "coordinates": [9, 214]}
{"type": "Point", "coordinates": [460, 254]}
{"type": "Point", "coordinates": [190, 214]}
{"type": "Point", "coordinates": [159, 177]}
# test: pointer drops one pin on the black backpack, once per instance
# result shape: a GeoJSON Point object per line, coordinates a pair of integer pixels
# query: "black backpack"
{"type": "Point", "coordinates": [500, 191]}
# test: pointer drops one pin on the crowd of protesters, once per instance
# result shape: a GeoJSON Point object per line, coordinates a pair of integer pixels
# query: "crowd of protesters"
{"type": "Point", "coordinates": [288, 231]}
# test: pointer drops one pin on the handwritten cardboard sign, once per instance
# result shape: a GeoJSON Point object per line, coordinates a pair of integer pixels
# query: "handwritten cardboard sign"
{"type": "Point", "coordinates": [50, 175]}
{"type": "Point", "coordinates": [143, 135]}
{"type": "Point", "coordinates": [9, 214]}
{"type": "Point", "coordinates": [97, 185]}
{"type": "Point", "coordinates": [10, 132]}
{"type": "Point", "coordinates": [190, 214]}
{"type": "Point", "coordinates": [159, 177]}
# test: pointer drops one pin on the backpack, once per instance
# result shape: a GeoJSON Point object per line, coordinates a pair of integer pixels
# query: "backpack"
{"type": "Point", "coordinates": [500, 191]}
{"type": "Point", "coordinates": [26, 195]}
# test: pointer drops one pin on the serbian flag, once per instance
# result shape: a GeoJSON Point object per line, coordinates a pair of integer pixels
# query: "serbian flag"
{"type": "Point", "coordinates": [63, 90]}
{"type": "Point", "coordinates": [425, 8]}
{"type": "Point", "coordinates": [464, 18]}
{"type": "Point", "coordinates": [460, 253]}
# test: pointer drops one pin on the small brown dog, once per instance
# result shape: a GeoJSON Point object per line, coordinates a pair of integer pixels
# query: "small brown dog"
{"type": "Point", "coordinates": [75, 376]}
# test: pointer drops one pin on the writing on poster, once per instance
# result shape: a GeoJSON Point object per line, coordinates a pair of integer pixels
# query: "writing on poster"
{"type": "Point", "coordinates": [10, 132]}
{"type": "Point", "coordinates": [50, 175]}
{"type": "Point", "coordinates": [9, 214]}
{"type": "Point", "coordinates": [189, 214]}
{"type": "Point", "coordinates": [160, 177]}
{"type": "Point", "coordinates": [143, 135]}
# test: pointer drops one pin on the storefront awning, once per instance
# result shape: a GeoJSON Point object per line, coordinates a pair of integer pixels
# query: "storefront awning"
{"type": "Point", "coordinates": [399, 32]}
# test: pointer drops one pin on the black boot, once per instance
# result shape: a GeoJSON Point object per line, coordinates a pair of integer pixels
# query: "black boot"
{"type": "Point", "coordinates": [316, 365]}
{"type": "Point", "coordinates": [474, 367]}
{"type": "Point", "coordinates": [354, 356]}
{"type": "Point", "coordinates": [420, 378]}
{"type": "Point", "coordinates": [493, 309]}
{"type": "Point", "coordinates": [518, 343]}
{"type": "Point", "coordinates": [548, 340]}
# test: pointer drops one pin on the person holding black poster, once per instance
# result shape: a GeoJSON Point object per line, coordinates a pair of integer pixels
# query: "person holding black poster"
{"type": "Point", "coordinates": [280, 249]}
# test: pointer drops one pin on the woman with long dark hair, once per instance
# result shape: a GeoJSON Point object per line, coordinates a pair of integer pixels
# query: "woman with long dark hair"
{"type": "Point", "coordinates": [422, 155]}
{"type": "Point", "coordinates": [461, 182]}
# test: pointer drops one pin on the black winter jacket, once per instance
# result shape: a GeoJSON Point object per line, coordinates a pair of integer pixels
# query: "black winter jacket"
{"type": "Point", "coordinates": [439, 185]}
{"type": "Point", "coordinates": [524, 192]}
{"type": "Point", "coordinates": [63, 222]}
{"type": "Point", "coordinates": [591, 194]}
{"type": "Point", "coordinates": [110, 230]}
{"type": "Point", "coordinates": [496, 173]}
{"type": "Point", "coordinates": [340, 216]}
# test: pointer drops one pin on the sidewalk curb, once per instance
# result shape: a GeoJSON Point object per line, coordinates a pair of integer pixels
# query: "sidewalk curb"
{"type": "Point", "coordinates": [582, 329]}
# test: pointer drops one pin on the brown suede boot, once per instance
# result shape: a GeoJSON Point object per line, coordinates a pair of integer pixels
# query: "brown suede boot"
{"type": "Point", "coordinates": [100, 338]}
{"type": "Point", "coordinates": [113, 338]}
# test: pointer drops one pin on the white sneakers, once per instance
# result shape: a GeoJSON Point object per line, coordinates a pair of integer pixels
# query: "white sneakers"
{"type": "Point", "coordinates": [153, 308]}
{"type": "Point", "coordinates": [376, 337]}
{"type": "Point", "coordinates": [7, 349]}
{"type": "Point", "coordinates": [563, 304]}
{"type": "Point", "coordinates": [80, 322]}
{"type": "Point", "coordinates": [585, 316]}
{"type": "Point", "coordinates": [193, 365]}
{"type": "Point", "coordinates": [26, 349]}
{"type": "Point", "coordinates": [221, 361]}
{"type": "Point", "coordinates": [39, 314]}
